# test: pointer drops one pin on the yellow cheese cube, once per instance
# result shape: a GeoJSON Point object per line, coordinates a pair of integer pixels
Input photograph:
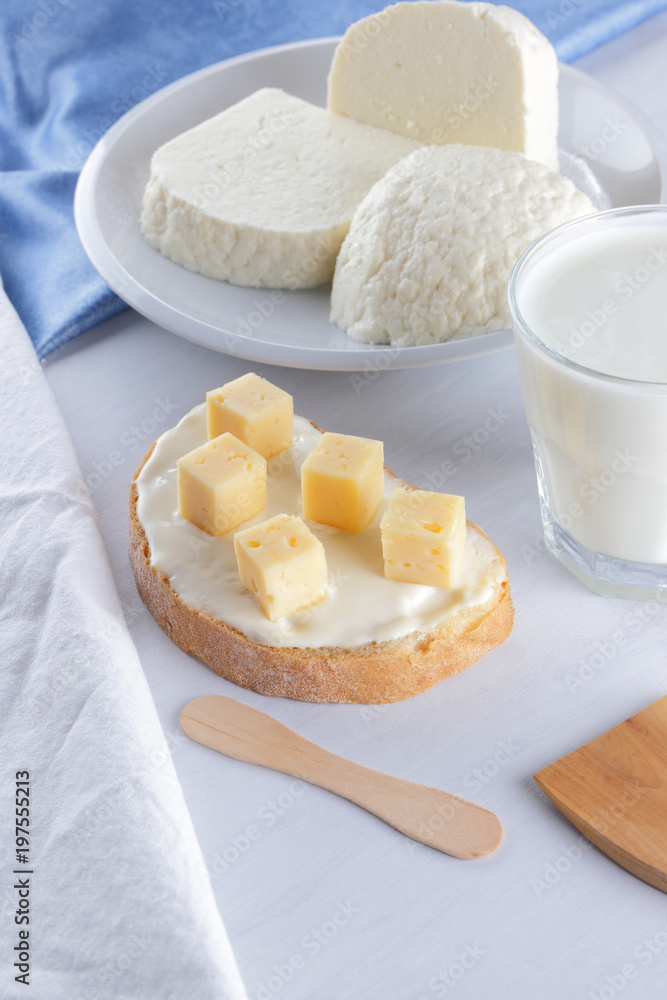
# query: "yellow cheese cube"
{"type": "Point", "coordinates": [423, 537]}
{"type": "Point", "coordinates": [255, 411]}
{"type": "Point", "coordinates": [282, 564]}
{"type": "Point", "coordinates": [221, 484]}
{"type": "Point", "coordinates": [342, 481]}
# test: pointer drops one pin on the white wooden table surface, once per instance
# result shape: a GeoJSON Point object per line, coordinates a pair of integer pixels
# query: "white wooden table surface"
{"type": "Point", "coordinates": [321, 900]}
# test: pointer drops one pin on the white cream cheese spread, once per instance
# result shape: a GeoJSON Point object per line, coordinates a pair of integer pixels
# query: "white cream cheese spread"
{"type": "Point", "coordinates": [361, 606]}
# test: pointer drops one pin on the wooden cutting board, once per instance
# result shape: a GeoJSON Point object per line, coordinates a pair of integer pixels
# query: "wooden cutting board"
{"type": "Point", "coordinates": [614, 789]}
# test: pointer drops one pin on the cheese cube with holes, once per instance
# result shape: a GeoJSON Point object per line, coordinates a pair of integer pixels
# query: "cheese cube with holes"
{"type": "Point", "coordinates": [255, 411]}
{"type": "Point", "coordinates": [221, 484]}
{"type": "Point", "coordinates": [423, 537]}
{"type": "Point", "coordinates": [342, 481]}
{"type": "Point", "coordinates": [282, 564]}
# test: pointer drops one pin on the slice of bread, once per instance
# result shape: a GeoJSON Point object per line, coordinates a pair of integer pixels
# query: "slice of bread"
{"type": "Point", "coordinates": [372, 673]}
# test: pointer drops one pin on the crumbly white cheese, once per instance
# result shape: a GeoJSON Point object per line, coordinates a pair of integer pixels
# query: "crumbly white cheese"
{"type": "Point", "coordinates": [442, 72]}
{"type": "Point", "coordinates": [263, 193]}
{"type": "Point", "coordinates": [430, 249]}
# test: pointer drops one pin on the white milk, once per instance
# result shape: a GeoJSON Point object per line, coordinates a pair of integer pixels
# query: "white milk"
{"type": "Point", "coordinates": [596, 294]}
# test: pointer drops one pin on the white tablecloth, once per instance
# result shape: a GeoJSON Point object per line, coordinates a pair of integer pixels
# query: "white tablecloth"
{"type": "Point", "coordinates": [320, 899]}
{"type": "Point", "coordinates": [104, 893]}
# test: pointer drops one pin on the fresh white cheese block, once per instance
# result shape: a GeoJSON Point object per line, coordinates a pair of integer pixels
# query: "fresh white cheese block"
{"type": "Point", "coordinates": [263, 193]}
{"type": "Point", "coordinates": [431, 248]}
{"type": "Point", "coordinates": [441, 72]}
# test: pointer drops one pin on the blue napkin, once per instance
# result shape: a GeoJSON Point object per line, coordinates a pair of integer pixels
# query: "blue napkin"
{"type": "Point", "coordinates": [70, 68]}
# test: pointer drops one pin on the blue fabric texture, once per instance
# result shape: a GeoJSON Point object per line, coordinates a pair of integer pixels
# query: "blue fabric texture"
{"type": "Point", "coordinates": [70, 68]}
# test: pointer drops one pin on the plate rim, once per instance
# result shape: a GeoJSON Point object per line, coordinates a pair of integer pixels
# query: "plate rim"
{"type": "Point", "coordinates": [376, 357]}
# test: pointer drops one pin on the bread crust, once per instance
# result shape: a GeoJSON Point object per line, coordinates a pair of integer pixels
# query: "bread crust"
{"type": "Point", "coordinates": [375, 673]}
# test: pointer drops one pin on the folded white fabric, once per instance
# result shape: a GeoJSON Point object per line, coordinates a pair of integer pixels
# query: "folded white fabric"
{"type": "Point", "coordinates": [108, 872]}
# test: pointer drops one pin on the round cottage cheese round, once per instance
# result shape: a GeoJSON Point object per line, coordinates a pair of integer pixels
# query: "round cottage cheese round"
{"type": "Point", "coordinates": [431, 247]}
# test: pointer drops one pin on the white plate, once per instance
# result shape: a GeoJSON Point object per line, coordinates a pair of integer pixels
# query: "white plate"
{"type": "Point", "coordinates": [624, 151]}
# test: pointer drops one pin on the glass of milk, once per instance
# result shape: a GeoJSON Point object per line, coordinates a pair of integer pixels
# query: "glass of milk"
{"type": "Point", "coordinates": [589, 311]}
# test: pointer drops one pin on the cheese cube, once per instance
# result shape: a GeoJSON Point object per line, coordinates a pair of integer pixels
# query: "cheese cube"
{"type": "Point", "coordinates": [221, 484]}
{"type": "Point", "coordinates": [282, 564]}
{"type": "Point", "coordinates": [342, 481]}
{"type": "Point", "coordinates": [255, 411]}
{"type": "Point", "coordinates": [423, 537]}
